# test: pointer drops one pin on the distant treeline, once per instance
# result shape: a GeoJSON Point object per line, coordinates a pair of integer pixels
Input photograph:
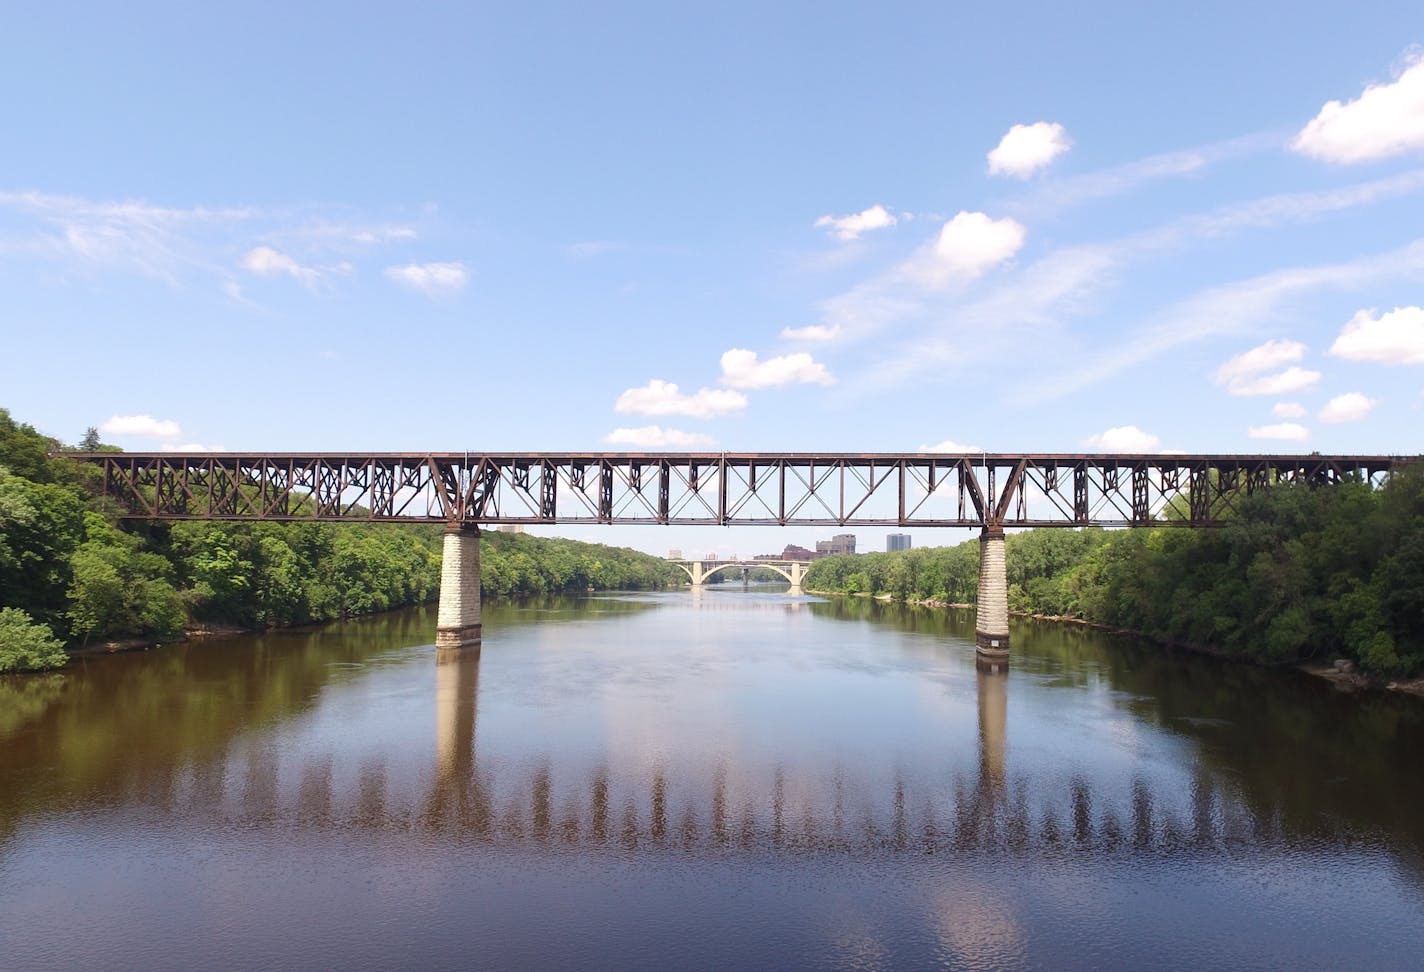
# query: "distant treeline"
{"type": "Point", "coordinates": [71, 571]}
{"type": "Point", "coordinates": [1299, 572]}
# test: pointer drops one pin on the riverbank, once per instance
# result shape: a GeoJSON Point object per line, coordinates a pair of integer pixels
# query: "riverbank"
{"type": "Point", "coordinates": [1341, 673]}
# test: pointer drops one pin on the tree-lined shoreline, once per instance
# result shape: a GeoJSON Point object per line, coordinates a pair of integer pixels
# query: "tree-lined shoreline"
{"type": "Point", "coordinates": [1298, 574]}
{"type": "Point", "coordinates": [73, 573]}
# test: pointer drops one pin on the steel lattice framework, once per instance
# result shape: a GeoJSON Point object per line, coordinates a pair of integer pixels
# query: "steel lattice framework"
{"type": "Point", "coordinates": [932, 490]}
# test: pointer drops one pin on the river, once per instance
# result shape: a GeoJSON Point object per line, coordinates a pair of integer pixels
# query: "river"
{"type": "Point", "coordinates": [732, 779]}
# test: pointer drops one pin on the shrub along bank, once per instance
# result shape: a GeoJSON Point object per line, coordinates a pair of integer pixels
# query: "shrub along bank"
{"type": "Point", "coordinates": [71, 571]}
{"type": "Point", "coordinates": [1297, 573]}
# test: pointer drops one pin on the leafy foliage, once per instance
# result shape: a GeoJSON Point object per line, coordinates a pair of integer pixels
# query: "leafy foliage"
{"type": "Point", "coordinates": [26, 646]}
{"type": "Point", "coordinates": [72, 568]}
{"type": "Point", "coordinates": [1300, 572]}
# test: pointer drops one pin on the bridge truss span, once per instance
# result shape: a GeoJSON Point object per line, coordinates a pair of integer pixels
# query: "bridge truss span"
{"type": "Point", "coordinates": [839, 489]}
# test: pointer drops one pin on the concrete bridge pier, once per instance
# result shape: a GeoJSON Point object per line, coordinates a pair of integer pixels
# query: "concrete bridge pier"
{"type": "Point", "coordinates": [457, 625]}
{"type": "Point", "coordinates": [991, 626]}
{"type": "Point", "coordinates": [698, 576]}
{"type": "Point", "coordinates": [797, 571]}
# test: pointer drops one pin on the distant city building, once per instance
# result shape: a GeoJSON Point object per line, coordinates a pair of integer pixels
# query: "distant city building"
{"type": "Point", "coordinates": [511, 528]}
{"type": "Point", "coordinates": [841, 543]}
{"type": "Point", "coordinates": [674, 554]}
{"type": "Point", "coordinates": [897, 541]}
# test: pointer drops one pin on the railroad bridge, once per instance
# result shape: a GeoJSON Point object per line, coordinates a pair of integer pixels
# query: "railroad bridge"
{"type": "Point", "coordinates": [467, 490]}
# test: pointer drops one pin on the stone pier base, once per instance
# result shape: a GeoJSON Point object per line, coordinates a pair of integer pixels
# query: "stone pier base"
{"type": "Point", "coordinates": [991, 626]}
{"type": "Point", "coordinates": [457, 626]}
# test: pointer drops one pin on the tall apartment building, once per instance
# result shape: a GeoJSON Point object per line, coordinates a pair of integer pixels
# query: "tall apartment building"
{"type": "Point", "coordinates": [897, 541]}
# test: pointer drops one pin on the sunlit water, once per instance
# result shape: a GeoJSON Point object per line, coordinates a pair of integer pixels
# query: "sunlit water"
{"type": "Point", "coordinates": [737, 779]}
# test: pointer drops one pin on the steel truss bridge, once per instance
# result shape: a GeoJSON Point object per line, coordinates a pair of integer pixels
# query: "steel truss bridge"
{"type": "Point", "coordinates": [725, 489]}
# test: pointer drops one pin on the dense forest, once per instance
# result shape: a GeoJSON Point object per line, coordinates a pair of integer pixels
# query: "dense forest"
{"type": "Point", "coordinates": [1298, 572]}
{"type": "Point", "coordinates": [72, 572]}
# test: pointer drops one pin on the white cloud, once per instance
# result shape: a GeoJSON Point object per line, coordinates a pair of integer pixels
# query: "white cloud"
{"type": "Point", "coordinates": [141, 426]}
{"type": "Point", "coordinates": [1284, 430]}
{"type": "Point", "coordinates": [741, 369]}
{"type": "Point", "coordinates": [656, 437]}
{"type": "Point", "coordinates": [1242, 375]}
{"type": "Point", "coordinates": [1287, 382]}
{"type": "Point", "coordinates": [1386, 120]}
{"type": "Point", "coordinates": [659, 397]}
{"type": "Point", "coordinates": [968, 246]}
{"type": "Point", "coordinates": [1026, 149]}
{"type": "Point", "coordinates": [267, 262]}
{"type": "Point", "coordinates": [1124, 438]}
{"type": "Point", "coordinates": [431, 279]}
{"type": "Point", "coordinates": [850, 227]}
{"type": "Point", "coordinates": [1393, 338]}
{"type": "Point", "coordinates": [1288, 410]}
{"type": "Point", "coordinates": [949, 445]}
{"type": "Point", "coordinates": [1349, 407]}
{"type": "Point", "coordinates": [1263, 357]}
{"type": "Point", "coordinates": [812, 332]}
{"type": "Point", "coordinates": [1228, 309]}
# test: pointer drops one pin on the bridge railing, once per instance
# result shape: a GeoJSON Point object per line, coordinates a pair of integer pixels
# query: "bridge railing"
{"type": "Point", "coordinates": [880, 489]}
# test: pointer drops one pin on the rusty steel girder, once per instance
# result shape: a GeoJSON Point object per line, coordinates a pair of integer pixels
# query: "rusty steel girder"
{"type": "Point", "coordinates": [724, 489]}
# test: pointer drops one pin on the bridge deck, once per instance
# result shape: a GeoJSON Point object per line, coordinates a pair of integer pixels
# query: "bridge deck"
{"type": "Point", "coordinates": [820, 489]}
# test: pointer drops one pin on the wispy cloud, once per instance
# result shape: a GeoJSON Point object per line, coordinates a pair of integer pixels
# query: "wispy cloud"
{"type": "Point", "coordinates": [1289, 431]}
{"type": "Point", "coordinates": [1124, 438]}
{"type": "Point", "coordinates": [141, 427]}
{"type": "Point", "coordinates": [814, 333]}
{"type": "Point", "coordinates": [431, 279]}
{"type": "Point", "coordinates": [1349, 407]}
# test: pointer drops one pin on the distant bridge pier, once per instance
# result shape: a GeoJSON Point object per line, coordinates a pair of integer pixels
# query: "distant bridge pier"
{"type": "Point", "coordinates": [991, 625]}
{"type": "Point", "coordinates": [457, 626]}
{"type": "Point", "coordinates": [797, 571]}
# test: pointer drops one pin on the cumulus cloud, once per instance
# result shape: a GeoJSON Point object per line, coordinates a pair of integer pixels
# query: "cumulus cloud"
{"type": "Point", "coordinates": [1242, 375]}
{"type": "Point", "coordinates": [949, 445]}
{"type": "Point", "coordinates": [741, 369]}
{"type": "Point", "coordinates": [1124, 438]}
{"type": "Point", "coordinates": [141, 426]}
{"type": "Point", "coordinates": [850, 227]}
{"type": "Point", "coordinates": [1393, 338]}
{"type": "Point", "coordinates": [1284, 430]}
{"type": "Point", "coordinates": [812, 332]}
{"type": "Point", "coordinates": [1026, 149]}
{"type": "Point", "coordinates": [659, 397]}
{"type": "Point", "coordinates": [1288, 410]}
{"type": "Point", "coordinates": [1349, 407]}
{"type": "Point", "coordinates": [1388, 119]}
{"type": "Point", "coordinates": [431, 279]}
{"type": "Point", "coordinates": [968, 246]}
{"type": "Point", "coordinates": [267, 262]}
{"type": "Point", "coordinates": [656, 437]}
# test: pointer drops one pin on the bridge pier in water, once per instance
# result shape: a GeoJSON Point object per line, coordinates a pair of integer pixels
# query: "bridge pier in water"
{"type": "Point", "coordinates": [991, 624]}
{"type": "Point", "coordinates": [457, 625]}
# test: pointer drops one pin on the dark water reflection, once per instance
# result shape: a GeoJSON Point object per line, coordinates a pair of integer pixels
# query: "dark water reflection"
{"type": "Point", "coordinates": [734, 779]}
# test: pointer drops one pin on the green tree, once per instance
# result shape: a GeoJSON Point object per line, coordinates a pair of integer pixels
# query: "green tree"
{"type": "Point", "coordinates": [27, 646]}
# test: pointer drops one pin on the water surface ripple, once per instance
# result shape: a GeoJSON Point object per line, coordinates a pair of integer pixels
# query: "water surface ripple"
{"type": "Point", "coordinates": [730, 779]}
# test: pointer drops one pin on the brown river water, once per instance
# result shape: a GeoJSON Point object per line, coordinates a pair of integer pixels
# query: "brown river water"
{"type": "Point", "coordinates": [734, 779]}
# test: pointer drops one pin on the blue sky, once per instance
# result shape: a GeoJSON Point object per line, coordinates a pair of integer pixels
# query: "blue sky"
{"type": "Point", "coordinates": [831, 227]}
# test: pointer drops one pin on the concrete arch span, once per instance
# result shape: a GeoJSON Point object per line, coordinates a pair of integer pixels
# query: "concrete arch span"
{"type": "Point", "coordinates": [697, 572]}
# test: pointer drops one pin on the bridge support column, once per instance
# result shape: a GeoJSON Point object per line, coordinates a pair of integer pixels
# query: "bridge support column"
{"type": "Point", "coordinates": [797, 571]}
{"type": "Point", "coordinates": [697, 574]}
{"type": "Point", "coordinates": [991, 626]}
{"type": "Point", "coordinates": [457, 626]}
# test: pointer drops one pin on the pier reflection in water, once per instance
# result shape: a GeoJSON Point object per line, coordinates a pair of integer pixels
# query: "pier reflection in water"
{"type": "Point", "coordinates": [740, 779]}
